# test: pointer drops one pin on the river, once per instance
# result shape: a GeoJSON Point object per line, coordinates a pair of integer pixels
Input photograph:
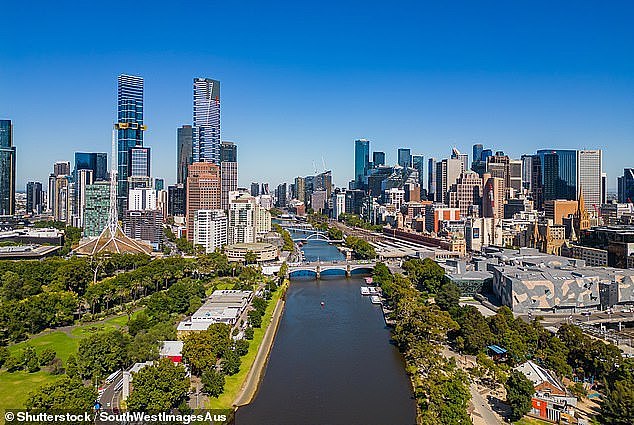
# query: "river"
{"type": "Point", "coordinates": [332, 364]}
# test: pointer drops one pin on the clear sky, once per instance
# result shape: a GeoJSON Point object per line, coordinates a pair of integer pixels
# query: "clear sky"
{"type": "Point", "coordinates": [302, 80]}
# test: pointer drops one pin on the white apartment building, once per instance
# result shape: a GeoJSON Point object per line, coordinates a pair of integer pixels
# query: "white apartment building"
{"type": "Point", "coordinates": [210, 229]}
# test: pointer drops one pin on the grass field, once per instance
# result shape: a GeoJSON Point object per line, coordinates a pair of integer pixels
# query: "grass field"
{"type": "Point", "coordinates": [234, 383]}
{"type": "Point", "coordinates": [531, 421]}
{"type": "Point", "coordinates": [15, 387]}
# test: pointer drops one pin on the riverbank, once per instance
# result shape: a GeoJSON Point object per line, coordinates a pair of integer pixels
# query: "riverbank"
{"type": "Point", "coordinates": [248, 377]}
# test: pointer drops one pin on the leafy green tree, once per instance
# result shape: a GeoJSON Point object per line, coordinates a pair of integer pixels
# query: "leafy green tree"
{"type": "Point", "coordinates": [248, 333]}
{"type": "Point", "coordinates": [47, 356]}
{"type": "Point", "coordinates": [74, 275]}
{"type": "Point", "coordinates": [4, 355]}
{"type": "Point", "coordinates": [426, 274]}
{"type": "Point", "coordinates": [519, 392]}
{"type": "Point", "coordinates": [139, 323]}
{"type": "Point", "coordinates": [259, 304]}
{"type": "Point", "coordinates": [65, 394]}
{"type": "Point", "coordinates": [250, 257]}
{"type": "Point", "coordinates": [213, 383]}
{"type": "Point", "coordinates": [231, 363]}
{"type": "Point", "coordinates": [102, 353]}
{"type": "Point", "coordinates": [159, 388]}
{"type": "Point", "coordinates": [203, 349]}
{"type": "Point", "coordinates": [448, 296]}
{"type": "Point", "coordinates": [71, 366]}
{"type": "Point", "coordinates": [474, 333]}
{"type": "Point", "coordinates": [255, 318]}
{"type": "Point", "coordinates": [617, 407]}
{"type": "Point", "coordinates": [241, 347]}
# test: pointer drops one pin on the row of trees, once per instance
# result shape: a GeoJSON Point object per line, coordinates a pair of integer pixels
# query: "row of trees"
{"type": "Point", "coordinates": [289, 245]}
{"type": "Point", "coordinates": [440, 387]}
{"type": "Point", "coordinates": [356, 221]}
{"type": "Point", "coordinates": [362, 249]}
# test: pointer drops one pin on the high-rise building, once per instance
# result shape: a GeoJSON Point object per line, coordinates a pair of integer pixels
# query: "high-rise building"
{"type": "Point", "coordinates": [590, 184]}
{"type": "Point", "coordinates": [604, 188]}
{"type": "Point", "coordinates": [139, 168]}
{"type": "Point", "coordinates": [84, 178]}
{"type": "Point", "coordinates": [626, 186]}
{"type": "Point", "coordinates": [203, 191]}
{"type": "Point", "coordinates": [34, 198]}
{"type": "Point", "coordinates": [255, 189]}
{"type": "Point", "coordinates": [62, 208]}
{"type": "Point", "coordinates": [559, 173]}
{"type": "Point", "coordinates": [210, 229]}
{"type": "Point", "coordinates": [142, 200]}
{"type": "Point", "coordinates": [527, 172]}
{"type": "Point", "coordinates": [144, 225]}
{"type": "Point", "coordinates": [447, 173]}
{"type": "Point", "coordinates": [96, 208]}
{"type": "Point", "coordinates": [431, 179]}
{"type": "Point", "coordinates": [463, 157]}
{"type": "Point", "coordinates": [159, 184]}
{"type": "Point", "coordinates": [176, 200]}
{"type": "Point", "coordinates": [7, 168]}
{"type": "Point", "coordinates": [477, 155]}
{"type": "Point", "coordinates": [338, 203]}
{"type": "Point", "coordinates": [228, 171]}
{"type": "Point", "coordinates": [265, 189]}
{"type": "Point", "coordinates": [361, 159]}
{"type": "Point", "coordinates": [323, 181]}
{"type": "Point", "coordinates": [61, 168]}
{"type": "Point", "coordinates": [493, 197]}
{"type": "Point", "coordinates": [242, 218]}
{"type": "Point", "coordinates": [378, 158]}
{"type": "Point", "coordinates": [206, 128]}
{"type": "Point", "coordinates": [184, 152]}
{"type": "Point", "coordinates": [95, 161]}
{"type": "Point", "coordinates": [404, 157]}
{"type": "Point", "coordinates": [300, 189]}
{"type": "Point", "coordinates": [130, 130]}
{"type": "Point", "coordinates": [418, 163]}
{"type": "Point", "coordinates": [466, 194]}
{"type": "Point", "coordinates": [280, 196]}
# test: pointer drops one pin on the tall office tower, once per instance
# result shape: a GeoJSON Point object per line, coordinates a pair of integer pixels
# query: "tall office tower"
{"type": "Point", "coordinates": [255, 189]}
{"type": "Point", "coordinates": [50, 194]}
{"type": "Point", "coordinates": [142, 199]}
{"type": "Point", "coordinates": [467, 194]}
{"type": "Point", "coordinates": [431, 179]}
{"type": "Point", "coordinates": [590, 169]}
{"type": "Point", "coordinates": [184, 152]}
{"type": "Point", "coordinates": [477, 154]}
{"type": "Point", "coordinates": [537, 183]}
{"type": "Point", "coordinates": [404, 157]}
{"type": "Point", "coordinates": [210, 229]}
{"type": "Point", "coordinates": [559, 173]}
{"type": "Point", "coordinates": [527, 172]}
{"type": "Point", "coordinates": [265, 189]}
{"type": "Point", "coordinates": [61, 168]}
{"type": "Point", "coordinates": [34, 198]}
{"type": "Point", "coordinates": [463, 157]}
{"type": "Point", "coordinates": [95, 161]}
{"type": "Point", "coordinates": [206, 129]}
{"type": "Point", "coordinates": [418, 163]}
{"type": "Point", "coordinates": [96, 208]}
{"type": "Point", "coordinates": [323, 181]}
{"type": "Point", "coordinates": [447, 173]}
{"type": "Point", "coordinates": [604, 188]}
{"type": "Point", "coordinates": [338, 200]}
{"type": "Point", "coordinates": [498, 166]}
{"type": "Point", "coordinates": [378, 158]}
{"type": "Point", "coordinates": [144, 225]}
{"type": "Point", "coordinates": [162, 202]}
{"type": "Point", "coordinates": [280, 196]}
{"type": "Point", "coordinates": [84, 178]}
{"type": "Point", "coordinates": [246, 218]}
{"type": "Point", "coordinates": [139, 168]}
{"type": "Point", "coordinates": [203, 191]}
{"type": "Point", "coordinates": [130, 130]}
{"type": "Point", "coordinates": [515, 175]}
{"type": "Point", "coordinates": [176, 200]}
{"type": "Point", "coordinates": [493, 197]}
{"type": "Point", "coordinates": [625, 185]}
{"type": "Point", "coordinates": [62, 208]}
{"type": "Point", "coordinates": [361, 159]}
{"type": "Point", "coordinates": [159, 184]}
{"type": "Point", "coordinates": [300, 189]}
{"type": "Point", "coordinates": [7, 169]}
{"type": "Point", "coordinates": [228, 171]}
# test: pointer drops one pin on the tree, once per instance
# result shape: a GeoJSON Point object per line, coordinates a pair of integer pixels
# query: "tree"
{"type": "Point", "coordinates": [519, 392]}
{"type": "Point", "coordinates": [47, 356]}
{"type": "Point", "coordinates": [250, 257]}
{"type": "Point", "coordinates": [213, 383]}
{"type": "Point", "coordinates": [203, 349]}
{"type": "Point", "coordinates": [159, 388]}
{"type": "Point", "coordinates": [426, 274]}
{"type": "Point", "coordinates": [102, 353]}
{"type": "Point", "coordinates": [248, 333]}
{"type": "Point", "coordinates": [255, 318]}
{"type": "Point", "coordinates": [241, 347]}
{"type": "Point", "coordinates": [71, 366]}
{"type": "Point", "coordinates": [4, 355]}
{"type": "Point", "coordinates": [448, 296]}
{"type": "Point", "coordinates": [474, 333]}
{"type": "Point", "coordinates": [617, 407]}
{"type": "Point", "coordinates": [29, 359]}
{"type": "Point", "coordinates": [231, 363]}
{"type": "Point", "coordinates": [65, 394]}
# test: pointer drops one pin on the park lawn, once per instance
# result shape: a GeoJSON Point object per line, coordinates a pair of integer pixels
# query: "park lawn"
{"type": "Point", "coordinates": [59, 341]}
{"type": "Point", "coordinates": [90, 328]}
{"type": "Point", "coordinates": [233, 384]}
{"type": "Point", "coordinates": [15, 387]}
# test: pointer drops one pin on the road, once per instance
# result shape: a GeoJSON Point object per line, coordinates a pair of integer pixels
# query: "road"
{"type": "Point", "coordinates": [252, 382]}
{"type": "Point", "coordinates": [482, 413]}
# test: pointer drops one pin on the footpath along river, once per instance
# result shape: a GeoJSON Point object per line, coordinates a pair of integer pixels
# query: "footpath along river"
{"type": "Point", "coordinates": [331, 364]}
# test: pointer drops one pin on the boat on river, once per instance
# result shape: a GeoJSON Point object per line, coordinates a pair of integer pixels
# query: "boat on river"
{"type": "Point", "coordinates": [375, 299]}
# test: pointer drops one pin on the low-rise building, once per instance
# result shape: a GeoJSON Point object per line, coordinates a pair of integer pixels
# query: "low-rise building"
{"type": "Point", "coordinates": [263, 251]}
{"type": "Point", "coordinates": [223, 306]}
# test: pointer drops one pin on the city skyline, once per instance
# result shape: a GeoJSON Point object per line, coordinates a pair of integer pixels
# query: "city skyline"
{"type": "Point", "coordinates": [508, 96]}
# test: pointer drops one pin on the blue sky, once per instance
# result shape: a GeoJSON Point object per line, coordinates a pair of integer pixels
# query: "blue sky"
{"type": "Point", "coordinates": [303, 80]}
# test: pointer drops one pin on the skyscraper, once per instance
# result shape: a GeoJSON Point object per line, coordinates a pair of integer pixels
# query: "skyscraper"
{"type": "Point", "coordinates": [130, 130]}
{"type": "Point", "coordinates": [456, 154]}
{"type": "Point", "coordinates": [203, 191]}
{"type": "Point", "coordinates": [590, 169]}
{"type": "Point", "coordinates": [7, 169]}
{"type": "Point", "coordinates": [626, 186]}
{"type": "Point", "coordinates": [404, 157]}
{"type": "Point", "coordinates": [300, 189]}
{"type": "Point", "coordinates": [184, 152]}
{"type": "Point", "coordinates": [228, 171]}
{"type": "Point", "coordinates": [431, 179]}
{"type": "Point", "coordinates": [418, 163]}
{"type": "Point", "coordinates": [280, 195]}
{"type": "Point", "coordinates": [95, 161]}
{"type": "Point", "coordinates": [477, 153]}
{"type": "Point", "coordinates": [210, 229]}
{"type": "Point", "coordinates": [361, 159]}
{"type": "Point", "coordinates": [61, 168]}
{"type": "Point", "coordinates": [97, 205]}
{"type": "Point", "coordinates": [255, 189]}
{"type": "Point", "coordinates": [559, 173]}
{"type": "Point", "coordinates": [34, 198]}
{"type": "Point", "coordinates": [378, 158]}
{"type": "Point", "coordinates": [206, 129]}
{"type": "Point", "coordinates": [447, 173]}
{"type": "Point", "coordinates": [139, 168]}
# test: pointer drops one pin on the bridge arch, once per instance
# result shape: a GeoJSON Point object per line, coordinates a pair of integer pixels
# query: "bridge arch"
{"type": "Point", "coordinates": [302, 273]}
{"type": "Point", "coordinates": [317, 236]}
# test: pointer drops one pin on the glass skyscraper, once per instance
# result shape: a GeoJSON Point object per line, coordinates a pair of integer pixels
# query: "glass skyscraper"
{"type": "Point", "coordinates": [184, 155]}
{"type": "Point", "coordinates": [206, 129]}
{"type": "Point", "coordinates": [559, 173]}
{"type": "Point", "coordinates": [404, 157]}
{"type": "Point", "coordinates": [130, 130]}
{"type": "Point", "coordinates": [95, 161]}
{"type": "Point", "coordinates": [361, 159]}
{"type": "Point", "coordinates": [7, 169]}
{"type": "Point", "coordinates": [418, 163]}
{"type": "Point", "coordinates": [378, 158]}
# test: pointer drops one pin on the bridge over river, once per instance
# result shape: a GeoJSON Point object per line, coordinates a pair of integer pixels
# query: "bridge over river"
{"type": "Point", "coordinates": [330, 268]}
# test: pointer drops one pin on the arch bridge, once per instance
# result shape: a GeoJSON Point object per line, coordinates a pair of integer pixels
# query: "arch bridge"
{"type": "Point", "coordinates": [332, 268]}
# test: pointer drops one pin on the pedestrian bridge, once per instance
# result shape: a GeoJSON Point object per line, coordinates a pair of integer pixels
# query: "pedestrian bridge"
{"type": "Point", "coordinates": [330, 268]}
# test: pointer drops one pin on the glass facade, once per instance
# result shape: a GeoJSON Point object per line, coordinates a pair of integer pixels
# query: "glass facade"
{"type": "Point", "coordinates": [418, 162]}
{"type": "Point", "coordinates": [7, 169]}
{"type": "Point", "coordinates": [206, 129]}
{"type": "Point", "coordinates": [378, 158]}
{"type": "Point", "coordinates": [184, 137]}
{"type": "Point", "coordinates": [96, 209]}
{"type": "Point", "coordinates": [559, 173]}
{"type": "Point", "coordinates": [361, 159]}
{"type": "Point", "coordinates": [95, 161]}
{"type": "Point", "coordinates": [404, 157]}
